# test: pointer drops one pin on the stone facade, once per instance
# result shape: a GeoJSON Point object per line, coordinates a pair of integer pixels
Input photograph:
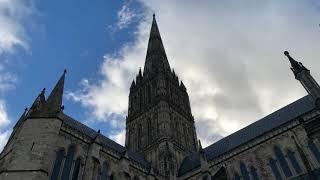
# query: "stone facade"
{"type": "Point", "coordinates": [161, 141]}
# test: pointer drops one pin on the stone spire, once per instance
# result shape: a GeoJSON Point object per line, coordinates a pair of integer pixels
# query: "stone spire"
{"type": "Point", "coordinates": [303, 75]}
{"type": "Point", "coordinates": [183, 87]}
{"type": "Point", "coordinates": [133, 84]}
{"type": "Point", "coordinates": [160, 123]}
{"type": "Point", "coordinates": [22, 117]}
{"type": "Point", "coordinates": [54, 102]}
{"type": "Point", "coordinates": [156, 58]}
{"type": "Point", "coordinates": [38, 104]}
{"type": "Point", "coordinates": [296, 67]}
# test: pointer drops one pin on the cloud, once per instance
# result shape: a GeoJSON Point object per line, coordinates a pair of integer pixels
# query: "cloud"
{"type": "Point", "coordinates": [228, 53]}
{"type": "Point", "coordinates": [7, 82]}
{"type": "Point", "coordinates": [125, 16]}
{"type": "Point", "coordinates": [4, 122]}
{"type": "Point", "coordinates": [14, 15]}
{"type": "Point", "coordinates": [119, 136]}
{"type": "Point", "coordinates": [4, 138]}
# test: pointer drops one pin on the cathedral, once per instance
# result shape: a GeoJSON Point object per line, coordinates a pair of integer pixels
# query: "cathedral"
{"type": "Point", "coordinates": [161, 141]}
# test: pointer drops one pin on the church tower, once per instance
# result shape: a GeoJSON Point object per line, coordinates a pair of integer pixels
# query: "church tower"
{"type": "Point", "coordinates": [303, 75]}
{"type": "Point", "coordinates": [160, 123]}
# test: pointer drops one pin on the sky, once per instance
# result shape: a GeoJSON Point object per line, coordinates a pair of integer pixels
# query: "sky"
{"type": "Point", "coordinates": [229, 55]}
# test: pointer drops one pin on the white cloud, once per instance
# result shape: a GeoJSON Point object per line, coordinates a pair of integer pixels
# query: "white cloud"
{"type": "Point", "coordinates": [110, 95]}
{"type": "Point", "coordinates": [119, 136]}
{"type": "Point", "coordinates": [4, 138]}
{"type": "Point", "coordinates": [14, 15]}
{"type": "Point", "coordinates": [7, 82]}
{"type": "Point", "coordinates": [125, 16]}
{"type": "Point", "coordinates": [4, 120]}
{"type": "Point", "coordinates": [229, 54]}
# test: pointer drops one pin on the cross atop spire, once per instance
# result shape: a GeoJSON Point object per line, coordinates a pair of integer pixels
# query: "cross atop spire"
{"type": "Point", "coordinates": [156, 58]}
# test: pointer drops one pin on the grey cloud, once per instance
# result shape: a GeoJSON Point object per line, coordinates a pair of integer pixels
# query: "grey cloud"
{"type": "Point", "coordinates": [229, 55]}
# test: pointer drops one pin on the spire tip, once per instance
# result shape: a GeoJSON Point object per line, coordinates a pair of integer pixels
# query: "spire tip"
{"type": "Point", "coordinates": [286, 53]}
{"type": "Point", "coordinates": [43, 91]}
{"type": "Point", "coordinates": [64, 71]}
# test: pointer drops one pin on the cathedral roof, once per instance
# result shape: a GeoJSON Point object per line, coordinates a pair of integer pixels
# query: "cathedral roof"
{"type": "Point", "coordinates": [106, 142]}
{"type": "Point", "coordinates": [260, 127]}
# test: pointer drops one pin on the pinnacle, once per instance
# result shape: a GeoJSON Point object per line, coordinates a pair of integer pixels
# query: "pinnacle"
{"type": "Point", "coordinates": [156, 58]}
{"type": "Point", "coordinates": [54, 102]}
{"type": "Point", "coordinates": [296, 67]}
{"type": "Point", "coordinates": [286, 53]}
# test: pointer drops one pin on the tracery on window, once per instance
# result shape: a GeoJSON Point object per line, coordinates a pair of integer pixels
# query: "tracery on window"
{"type": "Point", "coordinates": [254, 174]}
{"type": "Point", "coordinates": [275, 170]}
{"type": "Point", "coordinates": [282, 161]}
{"type": "Point", "coordinates": [314, 150]}
{"type": "Point", "coordinates": [65, 167]}
{"type": "Point", "coordinates": [294, 162]}
{"type": "Point", "coordinates": [244, 171]}
{"type": "Point", "coordinates": [57, 164]}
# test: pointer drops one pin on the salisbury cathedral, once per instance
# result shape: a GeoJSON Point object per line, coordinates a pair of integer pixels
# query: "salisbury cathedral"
{"type": "Point", "coordinates": [161, 141]}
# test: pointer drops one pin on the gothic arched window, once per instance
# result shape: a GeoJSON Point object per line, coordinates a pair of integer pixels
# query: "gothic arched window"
{"type": "Point", "coordinates": [149, 131]}
{"type": "Point", "coordinates": [283, 162]}
{"type": "Point", "coordinates": [149, 93]}
{"type": "Point", "coordinates": [254, 174]}
{"type": "Point", "coordinates": [96, 174]}
{"type": "Point", "coordinates": [76, 169]}
{"type": "Point", "coordinates": [294, 162]}
{"type": "Point", "coordinates": [205, 177]}
{"type": "Point", "coordinates": [68, 163]}
{"type": "Point", "coordinates": [315, 151]}
{"type": "Point", "coordinates": [244, 172]}
{"type": "Point", "coordinates": [275, 169]}
{"type": "Point", "coordinates": [185, 134]}
{"type": "Point", "coordinates": [57, 165]}
{"type": "Point", "coordinates": [127, 176]}
{"type": "Point", "coordinates": [236, 177]}
{"type": "Point", "coordinates": [177, 132]}
{"type": "Point", "coordinates": [99, 175]}
{"type": "Point", "coordinates": [139, 136]}
{"type": "Point", "coordinates": [105, 171]}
